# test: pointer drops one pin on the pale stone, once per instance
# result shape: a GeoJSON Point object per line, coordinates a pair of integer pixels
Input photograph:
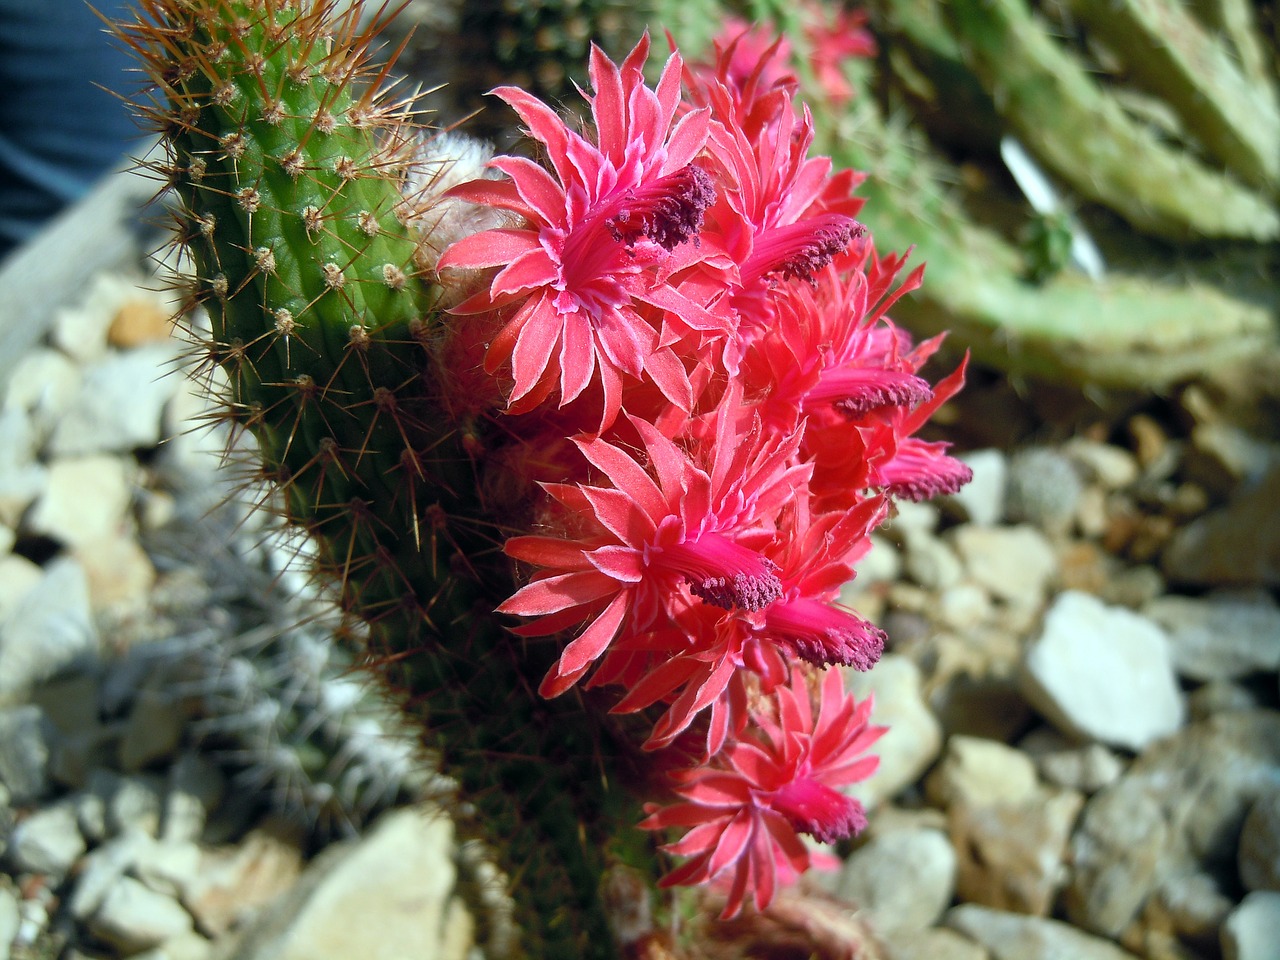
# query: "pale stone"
{"type": "Point", "coordinates": [20, 486]}
{"type": "Point", "coordinates": [1222, 637]}
{"type": "Point", "coordinates": [914, 736]}
{"type": "Point", "coordinates": [1109, 466]}
{"type": "Point", "coordinates": [48, 841]}
{"type": "Point", "coordinates": [102, 868]}
{"type": "Point", "coordinates": [1250, 932]}
{"type": "Point", "coordinates": [977, 772]}
{"type": "Point", "coordinates": [196, 787]}
{"type": "Point", "coordinates": [982, 498]}
{"type": "Point", "coordinates": [133, 918]}
{"type": "Point", "coordinates": [139, 322]}
{"type": "Point", "coordinates": [120, 404]}
{"type": "Point", "coordinates": [81, 331]}
{"type": "Point", "coordinates": [26, 740]}
{"type": "Point", "coordinates": [1235, 545]}
{"type": "Point", "coordinates": [904, 878]}
{"type": "Point", "coordinates": [18, 576]}
{"type": "Point", "coordinates": [120, 572]}
{"type": "Point", "coordinates": [234, 884]}
{"type": "Point", "coordinates": [10, 920]}
{"type": "Point", "coordinates": [42, 385]}
{"type": "Point", "coordinates": [930, 562]}
{"type": "Point", "coordinates": [1015, 564]}
{"type": "Point", "coordinates": [1179, 808]}
{"type": "Point", "coordinates": [1103, 673]}
{"type": "Point", "coordinates": [386, 898]}
{"type": "Point", "coordinates": [933, 944]}
{"type": "Point", "coordinates": [87, 499]}
{"type": "Point", "coordinates": [46, 630]}
{"type": "Point", "coordinates": [1011, 936]}
{"type": "Point", "coordinates": [1010, 854]}
{"type": "Point", "coordinates": [1259, 856]}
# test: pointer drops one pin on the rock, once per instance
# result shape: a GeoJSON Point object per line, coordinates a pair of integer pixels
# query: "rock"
{"type": "Point", "coordinates": [20, 486]}
{"type": "Point", "coordinates": [1010, 854]}
{"type": "Point", "coordinates": [1189, 905]}
{"type": "Point", "coordinates": [186, 946]}
{"type": "Point", "coordinates": [933, 944]}
{"type": "Point", "coordinates": [1222, 637]}
{"type": "Point", "coordinates": [1259, 851]}
{"type": "Point", "coordinates": [1235, 545]}
{"type": "Point", "coordinates": [1222, 454]}
{"type": "Point", "coordinates": [18, 444]}
{"type": "Point", "coordinates": [18, 576]}
{"type": "Point", "coordinates": [152, 732]}
{"type": "Point", "coordinates": [119, 571]}
{"type": "Point", "coordinates": [978, 772]}
{"type": "Point", "coordinates": [119, 405]}
{"type": "Point", "coordinates": [1221, 696]}
{"type": "Point", "coordinates": [1102, 673]}
{"type": "Point", "coordinates": [131, 803]}
{"type": "Point", "coordinates": [1178, 809]}
{"type": "Point", "coordinates": [1015, 564]}
{"type": "Point", "coordinates": [930, 562]}
{"type": "Point", "coordinates": [133, 918]}
{"type": "Point", "coordinates": [86, 499]}
{"type": "Point", "coordinates": [963, 606]}
{"type": "Point", "coordinates": [140, 322]}
{"type": "Point", "coordinates": [1111, 467]}
{"type": "Point", "coordinates": [168, 867]}
{"type": "Point", "coordinates": [982, 498]}
{"type": "Point", "coordinates": [1086, 768]}
{"type": "Point", "coordinates": [905, 878]}
{"type": "Point", "coordinates": [71, 702]}
{"type": "Point", "coordinates": [26, 738]}
{"type": "Point", "coordinates": [42, 385]}
{"type": "Point", "coordinates": [1043, 489]}
{"type": "Point", "coordinates": [1249, 933]}
{"type": "Point", "coordinates": [234, 883]}
{"type": "Point", "coordinates": [102, 868]}
{"type": "Point", "coordinates": [49, 629]}
{"type": "Point", "coordinates": [1011, 936]}
{"type": "Point", "coordinates": [10, 918]}
{"type": "Point", "coordinates": [387, 897]}
{"type": "Point", "coordinates": [48, 841]}
{"type": "Point", "coordinates": [914, 736]}
{"type": "Point", "coordinates": [196, 787]}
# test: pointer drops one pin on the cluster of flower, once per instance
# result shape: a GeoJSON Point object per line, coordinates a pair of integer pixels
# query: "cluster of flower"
{"type": "Point", "coordinates": [686, 295]}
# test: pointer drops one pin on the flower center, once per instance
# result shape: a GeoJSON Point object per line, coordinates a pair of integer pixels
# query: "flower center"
{"type": "Point", "coordinates": [668, 211]}
{"type": "Point", "coordinates": [816, 809]}
{"type": "Point", "coordinates": [857, 391]}
{"type": "Point", "coordinates": [800, 249]}
{"type": "Point", "coordinates": [823, 634]}
{"type": "Point", "coordinates": [722, 573]}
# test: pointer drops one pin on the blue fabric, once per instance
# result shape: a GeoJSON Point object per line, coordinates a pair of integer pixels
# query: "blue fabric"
{"type": "Point", "coordinates": [59, 130]}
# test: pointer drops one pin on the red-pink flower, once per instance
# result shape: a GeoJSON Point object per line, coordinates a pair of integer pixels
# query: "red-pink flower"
{"type": "Point", "coordinates": [587, 275]}
{"type": "Point", "coordinates": [745, 810]}
{"type": "Point", "coordinates": [690, 531]}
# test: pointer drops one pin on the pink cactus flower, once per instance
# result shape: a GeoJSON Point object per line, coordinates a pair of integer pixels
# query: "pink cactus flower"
{"type": "Point", "coordinates": [745, 811]}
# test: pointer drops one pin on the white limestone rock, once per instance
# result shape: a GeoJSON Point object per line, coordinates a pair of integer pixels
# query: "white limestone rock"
{"type": "Point", "coordinates": [1103, 673]}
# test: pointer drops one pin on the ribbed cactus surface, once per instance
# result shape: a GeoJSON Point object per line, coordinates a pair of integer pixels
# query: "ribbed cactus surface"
{"type": "Point", "coordinates": [290, 172]}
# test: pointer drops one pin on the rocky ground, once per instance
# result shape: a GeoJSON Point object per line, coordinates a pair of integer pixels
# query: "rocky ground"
{"type": "Point", "coordinates": [1081, 685]}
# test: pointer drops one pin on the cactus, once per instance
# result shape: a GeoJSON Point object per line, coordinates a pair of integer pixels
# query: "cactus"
{"type": "Point", "coordinates": [288, 176]}
{"type": "Point", "coordinates": [657, 375]}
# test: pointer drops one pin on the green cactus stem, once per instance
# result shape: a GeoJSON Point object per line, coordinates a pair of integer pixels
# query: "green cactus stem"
{"type": "Point", "coordinates": [1061, 113]}
{"type": "Point", "coordinates": [1163, 47]}
{"type": "Point", "coordinates": [289, 167]}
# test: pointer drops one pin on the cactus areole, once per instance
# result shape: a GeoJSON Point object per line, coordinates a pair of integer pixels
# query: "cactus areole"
{"type": "Point", "coordinates": [586, 449]}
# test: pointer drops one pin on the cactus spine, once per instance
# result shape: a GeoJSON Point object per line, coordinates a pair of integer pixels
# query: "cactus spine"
{"type": "Point", "coordinates": [289, 167]}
